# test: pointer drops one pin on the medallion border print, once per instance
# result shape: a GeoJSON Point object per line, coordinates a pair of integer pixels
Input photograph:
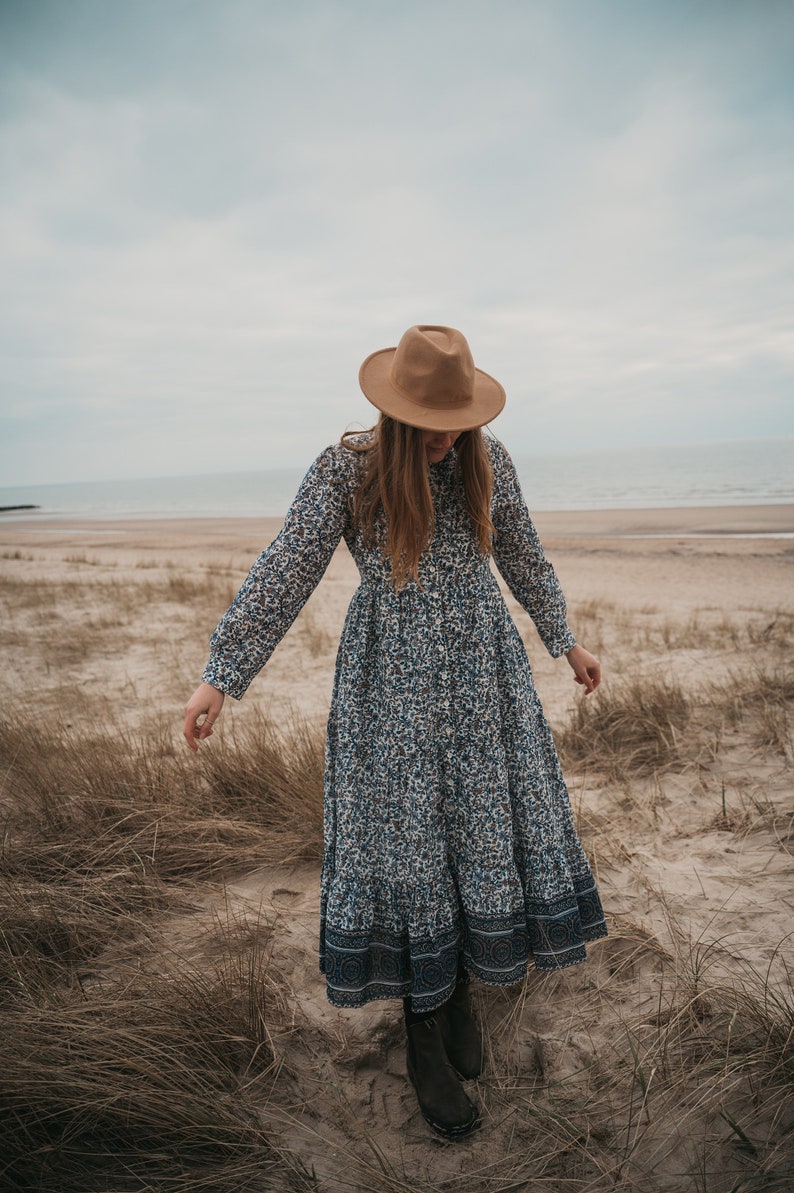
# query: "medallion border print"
{"type": "Point", "coordinates": [379, 963]}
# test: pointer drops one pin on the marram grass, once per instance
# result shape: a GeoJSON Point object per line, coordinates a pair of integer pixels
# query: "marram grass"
{"type": "Point", "coordinates": [128, 1064]}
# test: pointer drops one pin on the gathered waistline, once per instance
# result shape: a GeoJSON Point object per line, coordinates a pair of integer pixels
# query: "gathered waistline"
{"type": "Point", "coordinates": [482, 582]}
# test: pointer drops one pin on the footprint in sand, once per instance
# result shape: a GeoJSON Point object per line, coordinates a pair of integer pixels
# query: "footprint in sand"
{"type": "Point", "coordinates": [286, 897]}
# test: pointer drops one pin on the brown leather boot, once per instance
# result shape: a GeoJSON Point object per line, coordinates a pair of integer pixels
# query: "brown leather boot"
{"type": "Point", "coordinates": [441, 1098]}
{"type": "Point", "coordinates": [460, 1033]}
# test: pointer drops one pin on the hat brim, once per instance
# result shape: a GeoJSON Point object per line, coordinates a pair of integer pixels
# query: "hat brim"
{"type": "Point", "coordinates": [374, 377]}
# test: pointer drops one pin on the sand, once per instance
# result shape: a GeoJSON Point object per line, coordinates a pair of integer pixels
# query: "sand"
{"type": "Point", "coordinates": [107, 622]}
{"type": "Point", "coordinates": [681, 563]}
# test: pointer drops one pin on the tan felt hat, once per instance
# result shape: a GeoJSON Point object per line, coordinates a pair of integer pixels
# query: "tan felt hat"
{"type": "Point", "coordinates": [429, 381]}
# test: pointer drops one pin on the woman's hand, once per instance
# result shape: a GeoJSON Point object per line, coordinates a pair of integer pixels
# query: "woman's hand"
{"type": "Point", "coordinates": [205, 702]}
{"type": "Point", "coordinates": [586, 668]}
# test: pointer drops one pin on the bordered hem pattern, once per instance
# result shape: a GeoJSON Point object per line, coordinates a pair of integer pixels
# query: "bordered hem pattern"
{"type": "Point", "coordinates": [380, 963]}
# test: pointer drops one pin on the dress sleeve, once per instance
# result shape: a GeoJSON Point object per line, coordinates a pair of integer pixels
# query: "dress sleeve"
{"type": "Point", "coordinates": [283, 577]}
{"type": "Point", "coordinates": [519, 556]}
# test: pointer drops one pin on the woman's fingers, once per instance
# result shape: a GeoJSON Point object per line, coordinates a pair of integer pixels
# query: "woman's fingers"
{"type": "Point", "coordinates": [593, 675]}
{"type": "Point", "coordinates": [201, 712]}
{"type": "Point", "coordinates": [590, 678]}
{"type": "Point", "coordinates": [192, 729]}
{"type": "Point", "coordinates": [194, 732]}
{"type": "Point", "coordinates": [586, 668]}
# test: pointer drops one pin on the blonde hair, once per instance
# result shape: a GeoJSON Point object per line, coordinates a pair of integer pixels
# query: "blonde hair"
{"type": "Point", "coordinates": [396, 483]}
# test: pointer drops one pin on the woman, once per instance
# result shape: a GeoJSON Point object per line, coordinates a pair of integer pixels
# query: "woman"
{"type": "Point", "coordinates": [449, 845]}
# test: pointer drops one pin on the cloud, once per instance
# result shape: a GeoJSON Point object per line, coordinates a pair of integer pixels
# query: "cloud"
{"type": "Point", "coordinates": [208, 222]}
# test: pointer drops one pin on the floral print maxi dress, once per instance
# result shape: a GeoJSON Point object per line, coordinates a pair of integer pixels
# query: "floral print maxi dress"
{"type": "Point", "coordinates": [448, 826]}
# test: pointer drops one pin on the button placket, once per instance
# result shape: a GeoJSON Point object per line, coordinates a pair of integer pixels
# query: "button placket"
{"type": "Point", "coordinates": [446, 717]}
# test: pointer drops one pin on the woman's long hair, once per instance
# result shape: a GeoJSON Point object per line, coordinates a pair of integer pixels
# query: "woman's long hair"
{"type": "Point", "coordinates": [396, 483]}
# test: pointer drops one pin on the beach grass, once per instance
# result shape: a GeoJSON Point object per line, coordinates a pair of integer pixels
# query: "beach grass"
{"type": "Point", "coordinates": [135, 1061]}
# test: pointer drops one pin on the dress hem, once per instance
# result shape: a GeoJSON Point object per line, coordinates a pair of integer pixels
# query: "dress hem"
{"type": "Point", "coordinates": [378, 962]}
{"type": "Point", "coordinates": [377, 993]}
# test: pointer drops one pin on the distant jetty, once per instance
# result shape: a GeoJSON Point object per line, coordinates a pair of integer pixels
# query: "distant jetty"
{"type": "Point", "coordinates": [9, 509]}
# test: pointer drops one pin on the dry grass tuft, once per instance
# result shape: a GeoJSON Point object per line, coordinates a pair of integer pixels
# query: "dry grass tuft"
{"type": "Point", "coordinates": [149, 1082]}
{"type": "Point", "coordinates": [652, 724]}
{"type": "Point", "coordinates": [665, 1076]}
{"type": "Point", "coordinates": [618, 630]}
{"type": "Point", "coordinates": [152, 1079]}
{"type": "Point", "coordinates": [636, 727]}
{"type": "Point", "coordinates": [273, 774]}
{"type": "Point", "coordinates": [83, 560]}
{"type": "Point", "coordinates": [100, 834]}
{"type": "Point", "coordinates": [764, 695]}
{"type": "Point", "coordinates": [17, 556]}
{"type": "Point", "coordinates": [318, 639]}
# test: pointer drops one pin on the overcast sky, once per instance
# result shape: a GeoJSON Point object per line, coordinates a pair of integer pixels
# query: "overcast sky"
{"type": "Point", "coordinates": [212, 210]}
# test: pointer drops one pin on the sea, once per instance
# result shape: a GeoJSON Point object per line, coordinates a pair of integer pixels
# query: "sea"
{"type": "Point", "coordinates": [741, 472]}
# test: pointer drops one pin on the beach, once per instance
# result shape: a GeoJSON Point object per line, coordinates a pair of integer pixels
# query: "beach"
{"type": "Point", "coordinates": [685, 807]}
{"type": "Point", "coordinates": [732, 562]}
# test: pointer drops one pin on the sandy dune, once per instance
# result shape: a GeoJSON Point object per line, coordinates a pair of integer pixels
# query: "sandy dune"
{"type": "Point", "coordinates": [107, 623]}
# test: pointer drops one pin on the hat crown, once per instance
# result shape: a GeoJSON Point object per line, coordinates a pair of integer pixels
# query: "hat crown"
{"type": "Point", "coordinates": [430, 381]}
{"type": "Point", "coordinates": [434, 366]}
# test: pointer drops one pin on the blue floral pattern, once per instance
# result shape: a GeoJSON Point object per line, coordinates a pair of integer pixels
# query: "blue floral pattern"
{"type": "Point", "coordinates": [448, 825]}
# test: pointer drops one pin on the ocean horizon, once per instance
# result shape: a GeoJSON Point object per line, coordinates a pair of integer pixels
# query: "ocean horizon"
{"type": "Point", "coordinates": [741, 472]}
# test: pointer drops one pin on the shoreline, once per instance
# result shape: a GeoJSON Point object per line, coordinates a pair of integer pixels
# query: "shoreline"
{"type": "Point", "coordinates": [737, 521]}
